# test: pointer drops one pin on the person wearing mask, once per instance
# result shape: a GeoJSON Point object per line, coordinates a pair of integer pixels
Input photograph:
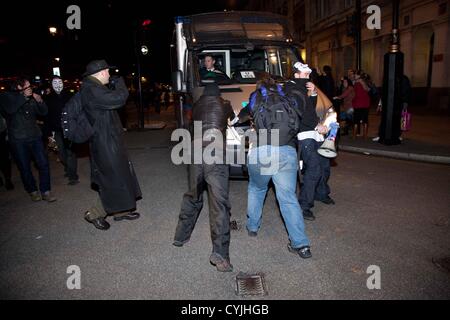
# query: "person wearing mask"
{"type": "Point", "coordinates": [56, 101]}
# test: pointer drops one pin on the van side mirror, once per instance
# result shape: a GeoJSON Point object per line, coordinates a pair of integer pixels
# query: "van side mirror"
{"type": "Point", "coordinates": [177, 81]}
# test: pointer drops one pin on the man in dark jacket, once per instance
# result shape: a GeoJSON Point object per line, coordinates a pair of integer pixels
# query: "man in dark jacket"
{"type": "Point", "coordinates": [56, 102]}
{"type": "Point", "coordinates": [213, 112]}
{"type": "Point", "coordinates": [317, 168]}
{"type": "Point", "coordinates": [111, 170]}
{"type": "Point", "coordinates": [22, 108]}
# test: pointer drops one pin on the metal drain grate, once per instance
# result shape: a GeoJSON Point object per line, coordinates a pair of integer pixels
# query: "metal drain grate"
{"type": "Point", "coordinates": [235, 225]}
{"type": "Point", "coordinates": [250, 284]}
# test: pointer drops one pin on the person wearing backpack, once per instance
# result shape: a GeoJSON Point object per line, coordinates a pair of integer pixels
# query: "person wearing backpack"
{"type": "Point", "coordinates": [56, 101]}
{"type": "Point", "coordinates": [273, 111]}
{"type": "Point", "coordinates": [111, 170]}
{"type": "Point", "coordinates": [22, 107]}
{"type": "Point", "coordinates": [310, 138]}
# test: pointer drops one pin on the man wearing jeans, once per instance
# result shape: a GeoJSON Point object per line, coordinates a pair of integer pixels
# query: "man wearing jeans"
{"type": "Point", "coordinates": [277, 162]}
{"type": "Point", "coordinates": [317, 168]}
{"type": "Point", "coordinates": [25, 138]}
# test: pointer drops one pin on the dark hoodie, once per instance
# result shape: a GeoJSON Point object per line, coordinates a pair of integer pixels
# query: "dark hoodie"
{"type": "Point", "coordinates": [309, 116]}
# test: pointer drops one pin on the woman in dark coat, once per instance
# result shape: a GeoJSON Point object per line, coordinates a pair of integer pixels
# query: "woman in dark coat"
{"type": "Point", "coordinates": [111, 169]}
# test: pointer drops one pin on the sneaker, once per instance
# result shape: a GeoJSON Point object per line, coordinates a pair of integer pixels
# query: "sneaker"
{"type": "Point", "coordinates": [48, 196]}
{"type": "Point", "coordinates": [252, 233]}
{"type": "Point", "coordinates": [376, 139]}
{"type": "Point", "coordinates": [35, 196]}
{"type": "Point", "coordinates": [303, 252]}
{"type": "Point", "coordinates": [328, 200]}
{"type": "Point", "coordinates": [308, 215]}
{"type": "Point", "coordinates": [221, 264]}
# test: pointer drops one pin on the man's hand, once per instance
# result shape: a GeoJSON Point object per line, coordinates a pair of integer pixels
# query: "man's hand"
{"type": "Point", "coordinates": [37, 97]}
{"type": "Point", "coordinates": [28, 92]}
{"type": "Point", "coordinates": [311, 87]}
{"type": "Point", "coordinates": [322, 129]}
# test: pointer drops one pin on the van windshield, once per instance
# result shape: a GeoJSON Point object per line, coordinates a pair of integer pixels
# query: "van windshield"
{"type": "Point", "coordinates": [247, 66]}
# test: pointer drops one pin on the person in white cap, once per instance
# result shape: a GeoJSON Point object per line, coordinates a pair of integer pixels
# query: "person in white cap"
{"type": "Point", "coordinates": [317, 168]}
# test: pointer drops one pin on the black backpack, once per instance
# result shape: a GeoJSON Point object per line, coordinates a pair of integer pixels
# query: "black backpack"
{"type": "Point", "coordinates": [74, 121]}
{"type": "Point", "coordinates": [277, 112]}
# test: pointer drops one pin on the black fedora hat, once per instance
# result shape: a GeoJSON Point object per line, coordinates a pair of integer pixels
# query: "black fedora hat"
{"type": "Point", "coordinates": [96, 66]}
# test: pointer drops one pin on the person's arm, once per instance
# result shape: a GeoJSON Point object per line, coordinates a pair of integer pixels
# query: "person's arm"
{"type": "Point", "coordinates": [108, 99]}
{"type": "Point", "coordinates": [364, 85]}
{"type": "Point", "coordinates": [41, 108]}
{"type": "Point", "coordinates": [12, 102]}
{"type": "Point", "coordinates": [39, 105]}
{"type": "Point", "coordinates": [344, 94]}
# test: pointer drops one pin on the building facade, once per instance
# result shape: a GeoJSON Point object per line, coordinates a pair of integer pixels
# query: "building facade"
{"type": "Point", "coordinates": [321, 27]}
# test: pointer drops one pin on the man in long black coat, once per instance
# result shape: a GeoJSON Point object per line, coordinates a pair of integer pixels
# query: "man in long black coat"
{"type": "Point", "coordinates": [111, 170]}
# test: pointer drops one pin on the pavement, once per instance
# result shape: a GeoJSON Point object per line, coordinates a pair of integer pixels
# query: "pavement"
{"type": "Point", "coordinates": [427, 141]}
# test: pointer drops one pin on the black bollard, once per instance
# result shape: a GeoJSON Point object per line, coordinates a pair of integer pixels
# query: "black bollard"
{"type": "Point", "coordinates": [391, 99]}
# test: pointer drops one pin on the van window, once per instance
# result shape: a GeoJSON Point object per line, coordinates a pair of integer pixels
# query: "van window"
{"type": "Point", "coordinates": [248, 66]}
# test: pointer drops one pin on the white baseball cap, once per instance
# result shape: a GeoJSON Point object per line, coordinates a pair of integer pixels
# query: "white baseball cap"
{"type": "Point", "coordinates": [302, 67]}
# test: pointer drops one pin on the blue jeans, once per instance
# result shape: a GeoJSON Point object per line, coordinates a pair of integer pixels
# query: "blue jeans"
{"type": "Point", "coordinates": [316, 176]}
{"type": "Point", "coordinates": [284, 175]}
{"type": "Point", "coordinates": [26, 150]}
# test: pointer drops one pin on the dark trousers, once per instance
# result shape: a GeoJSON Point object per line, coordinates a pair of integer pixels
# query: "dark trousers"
{"type": "Point", "coordinates": [316, 174]}
{"type": "Point", "coordinates": [67, 156]}
{"type": "Point", "coordinates": [214, 178]}
{"type": "Point", "coordinates": [5, 161]}
{"type": "Point", "coordinates": [26, 150]}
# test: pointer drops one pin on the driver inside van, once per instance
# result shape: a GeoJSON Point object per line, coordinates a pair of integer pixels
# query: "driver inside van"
{"type": "Point", "coordinates": [209, 69]}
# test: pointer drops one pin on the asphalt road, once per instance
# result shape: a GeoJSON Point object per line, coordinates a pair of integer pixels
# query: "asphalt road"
{"type": "Point", "coordinates": [389, 213]}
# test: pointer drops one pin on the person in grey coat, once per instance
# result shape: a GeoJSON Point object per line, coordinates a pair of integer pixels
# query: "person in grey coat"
{"type": "Point", "coordinates": [112, 172]}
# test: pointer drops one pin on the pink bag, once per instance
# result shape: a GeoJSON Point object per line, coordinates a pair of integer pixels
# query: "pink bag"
{"type": "Point", "coordinates": [406, 120]}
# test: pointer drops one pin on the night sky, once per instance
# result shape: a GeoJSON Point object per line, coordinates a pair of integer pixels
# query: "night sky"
{"type": "Point", "coordinates": [27, 48]}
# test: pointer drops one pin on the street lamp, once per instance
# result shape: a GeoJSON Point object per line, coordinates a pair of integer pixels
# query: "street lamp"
{"type": "Point", "coordinates": [52, 30]}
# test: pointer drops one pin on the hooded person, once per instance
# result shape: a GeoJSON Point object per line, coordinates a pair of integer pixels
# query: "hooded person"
{"type": "Point", "coordinates": [311, 136]}
{"type": "Point", "coordinates": [112, 172]}
{"type": "Point", "coordinates": [212, 111]}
